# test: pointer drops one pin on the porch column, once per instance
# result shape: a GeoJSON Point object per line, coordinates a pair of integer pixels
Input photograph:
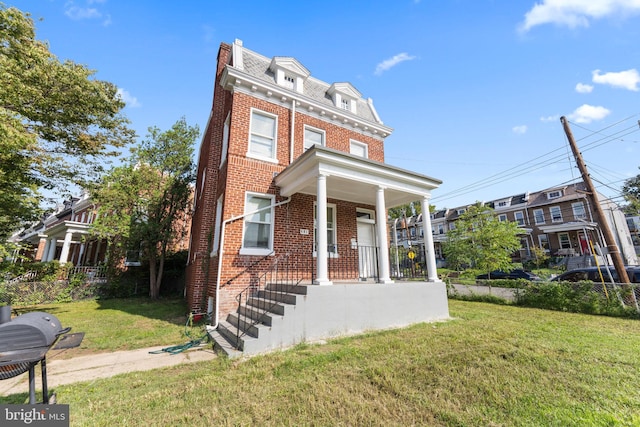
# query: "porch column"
{"type": "Point", "coordinates": [381, 231]}
{"type": "Point", "coordinates": [432, 272]}
{"type": "Point", "coordinates": [64, 255]}
{"type": "Point", "coordinates": [51, 252]}
{"type": "Point", "coordinates": [44, 246]}
{"type": "Point", "coordinates": [322, 277]}
{"type": "Point", "coordinates": [81, 254]}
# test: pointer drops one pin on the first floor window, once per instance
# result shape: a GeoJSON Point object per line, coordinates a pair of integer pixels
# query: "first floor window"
{"type": "Point", "coordinates": [258, 225]}
{"type": "Point", "coordinates": [565, 243]}
{"type": "Point", "coordinates": [543, 240]}
{"type": "Point", "coordinates": [331, 227]}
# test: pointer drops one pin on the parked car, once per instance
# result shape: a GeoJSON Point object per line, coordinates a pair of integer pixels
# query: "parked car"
{"type": "Point", "coordinates": [513, 274]}
{"type": "Point", "coordinates": [592, 274]}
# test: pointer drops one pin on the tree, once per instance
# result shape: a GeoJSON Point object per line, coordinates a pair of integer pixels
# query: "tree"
{"type": "Point", "coordinates": [140, 203]}
{"type": "Point", "coordinates": [631, 193]}
{"type": "Point", "coordinates": [57, 124]}
{"type": "Point", "coordinates": [482, 241]}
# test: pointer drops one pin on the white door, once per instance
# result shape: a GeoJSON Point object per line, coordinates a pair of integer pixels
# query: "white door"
{"type": "Point", "coordinates": [367, 249]}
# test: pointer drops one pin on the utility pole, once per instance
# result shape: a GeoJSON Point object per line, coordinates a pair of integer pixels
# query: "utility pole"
{"type": "Point", "coordinates": [591, 190]}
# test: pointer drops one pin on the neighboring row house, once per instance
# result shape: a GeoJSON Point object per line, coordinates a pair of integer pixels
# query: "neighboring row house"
{"type": "Point", "coordinates": [560, 220]}
{"type": "Point", "coordinates": [63, 235]}
{"type": "Point", "coordinates": [291, 178]}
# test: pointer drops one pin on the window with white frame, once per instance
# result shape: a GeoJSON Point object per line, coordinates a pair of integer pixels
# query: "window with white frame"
{"type": "Point", "coordinates": [578, 210]}
{"type": "Point", "coordinates": [344, 104]}
{"type": "Point", "coordinates": [543, 241]}
{"type": "Point", "coordinates": [502, 217]}
{"type": "Point", "coordinates": [262, 140]}
{"type": "Point", "coordinates": [289, 81]}
{"type": "Point", "coordinates": [313, 136]}
{"type": "Point", "coordinates": [331, 227]}
{"type": "Point", "coordinates": [519, 216]}
{"type": "Point", "coordinates": [225, 139]}
{"type": "Point", "coordinates": [556, 214]}
{"type": "Point", "coordinates": [359, 149]}
{"type": "Point", "coordinates": [218, 226]}
{"type": "Point", "coordinates": [440, 228]}
{"type": "Point", "coordinates": [554, 194]}
{"type": "Point", "coordinates": [538, 216]}
{"type": "Point", "coordinates": [461, 211]}
{"type": "Point", "coordinates": [565, 242]}
{"type": "Point", "coordinates": [258, 225]}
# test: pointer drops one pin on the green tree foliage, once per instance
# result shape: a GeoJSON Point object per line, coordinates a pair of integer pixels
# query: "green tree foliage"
{"type": "Point", "coordinates": [57, 124]}
{"type": "Point", "coordinates": [631, 193]}
{"type": "Point", "coordinates": [139, 204]}
{"type": "Point", "coordinates": [480, 240]}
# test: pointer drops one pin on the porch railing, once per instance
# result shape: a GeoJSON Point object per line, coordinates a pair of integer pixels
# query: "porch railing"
{"type": "Point", "coordinates": [91, 274]}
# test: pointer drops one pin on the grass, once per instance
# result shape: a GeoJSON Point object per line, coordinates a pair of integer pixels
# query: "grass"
{"type": "Point", "coordinates": [119, 324]}
{"type": "Point", "coordinates": [491, 365]}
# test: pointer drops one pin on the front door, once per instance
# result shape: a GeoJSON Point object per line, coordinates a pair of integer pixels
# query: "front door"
{"type": "Point", "coordinates": [367, 248]}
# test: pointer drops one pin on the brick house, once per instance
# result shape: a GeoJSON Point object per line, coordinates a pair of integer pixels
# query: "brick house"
{"type": "Point", "coordinates": [560, 220]}
{"type": "Point", "coordinates": [291, 176]}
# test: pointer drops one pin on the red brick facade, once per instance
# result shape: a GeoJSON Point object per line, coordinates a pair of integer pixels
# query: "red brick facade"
{"type": "Point", "coordinates": [238, 174]}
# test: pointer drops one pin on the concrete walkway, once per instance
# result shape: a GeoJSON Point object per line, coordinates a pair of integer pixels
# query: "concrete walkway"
{"type": "Point", "coordinates": [103, 365]}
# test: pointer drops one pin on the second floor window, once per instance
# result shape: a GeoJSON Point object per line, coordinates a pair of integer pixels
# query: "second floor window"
{"type": "Point", "coordinates": [313, 137]}
{"type": "Point", "coordinates": [578, 210]}
{"type": "Point", "coordinates": [519, 218]}
{"type": "Point", "coordinates": [262, 142]}
{"type": "Point", "coordinates": [538, 216]}
{"type": "Point", "coordinates": [556, 214]}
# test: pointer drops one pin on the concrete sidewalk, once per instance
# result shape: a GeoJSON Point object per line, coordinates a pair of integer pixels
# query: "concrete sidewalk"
{"type": "Point", "coordinates": [103, 365]}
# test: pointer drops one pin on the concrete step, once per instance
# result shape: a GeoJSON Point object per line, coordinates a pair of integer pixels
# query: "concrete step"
{"type": "Point", "coordinates": [222, 345]}
{"type": "Point", "coordinates": [278, 296]}
{"type": "Point", "coordinates": [298, 289]}
{"type": "Point", "coordinates": [264, 304]}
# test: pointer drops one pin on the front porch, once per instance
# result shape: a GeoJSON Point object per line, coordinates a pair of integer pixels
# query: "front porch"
{"type": "Point", "coordinates": [281, 316]}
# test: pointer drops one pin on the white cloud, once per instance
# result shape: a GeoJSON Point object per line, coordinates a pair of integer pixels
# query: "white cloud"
{"type": "Point", "coordinates": [576, 13]}
{"type": "Point", "coordinates": [392, 62]}
{"type": "Point", "coordinates": [522, 129]}
{"type": "Point", "coordinates": [78, 13]}
{"type": "Point", "coordinates": [584, 88]}
{"type": "Point", "coordinates": [624, 79]}
{"type": "Point", "coordinates": [130, 100]}
{"type": "Point", "coordinates": [587, 113]}
{"type": "Point", "coordinates": [550, 118]}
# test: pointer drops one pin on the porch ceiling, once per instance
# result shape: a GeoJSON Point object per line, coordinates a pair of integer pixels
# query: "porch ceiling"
{"type": "Point", "coordinates": [353, 178]}
{"type": "Point", "coordinates": [569, 226]}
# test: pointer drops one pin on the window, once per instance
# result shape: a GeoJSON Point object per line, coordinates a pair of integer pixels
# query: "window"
{"type": "Point", "coordinates": [502, 217]}
{"type": "Point", "coordinates": [565, 243]}
{"type": "Point", "coordinates": [440, 229]}
{"type": "Point", "coordinates": [538, 216]}
{"type": "Point", "coordinates": [554, 194]}
{"type": "Point", "coordinates": [359, 149]}
{"type": "Point", "coordinates": [262, 142]}
{"type": "Point", "coordinates": [313, 137]}
{"type": "Point", "coordinates": [578, 210]}
{"type": "Point", "coordinates": [225, 139]}
{"type": "Point", "coordinates": [289, 81]}
{"type": "Point", "coordinates": [344, 104]}
{"type": "Point", "coordinates": [331, 227]}
{"type": "Point", "coordinates": [461, 211]}
{"type": "Point", "coordinates": [519, 217]}
{"type": "Point", "coordinates": [543, 240]}
{"type": "Point", "coordinates": [218, 225]}
{"type": "Point", "coordinates": [503, 203]}
{"type": "Point", "coordinates": [556, 214]}
{"type": "Point", "coordinates": [258, 226]}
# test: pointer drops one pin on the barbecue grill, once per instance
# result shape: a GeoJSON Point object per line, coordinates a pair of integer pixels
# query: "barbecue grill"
{"type": "Point", "coordinates": [24, 342]}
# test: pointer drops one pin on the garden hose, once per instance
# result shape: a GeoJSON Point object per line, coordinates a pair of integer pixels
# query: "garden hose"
{"type": "Point", "coordinates": [193, 342]}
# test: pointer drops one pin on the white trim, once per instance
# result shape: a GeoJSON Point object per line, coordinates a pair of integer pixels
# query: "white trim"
{"type": "Point", "coordinates": [535, 218]}
{"type": "Point", "coordinates": [354, 143]}
{"type": "Point", "coordinates": [316, 130]}
{"type": "Point", "coordinates": [225, 139]}
{"type": "Point", "coordinates": [554, 220]}
{"type": "Point", "coordinates": [274, 145]}
{"type": "Point", "coordinates": [334, 231]}
{"type": "Point", "coordinates": [259, 251]}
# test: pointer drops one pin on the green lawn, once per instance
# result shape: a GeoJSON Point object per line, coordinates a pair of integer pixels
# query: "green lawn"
{"type": "Point", "coordinates": [490, 365]}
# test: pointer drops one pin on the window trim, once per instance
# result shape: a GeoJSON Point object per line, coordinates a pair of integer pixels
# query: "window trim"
{"type": "Point", "coordinates": [515, 216]}
{"type": "Point", "coordinates": [535, 217]}
{"type": "Point", "coordinates": [584, 210]}
{"type": "Point", "coordinates": [553, 220]}
{"type": "Point", "coordinates": [313, 129]}
{"type": "Point", "coordinates": [353, 142]}
{"type": "Point", "coordinates": [274, 145]}
{"type": "Point", "coordinates": [334, 231]}
{"type": "Point", "coordinates": [258, 251]}
{"type": "Point", "coordinates": [568, 240]}
{"type": "Point", "coordinates": [502, 218]}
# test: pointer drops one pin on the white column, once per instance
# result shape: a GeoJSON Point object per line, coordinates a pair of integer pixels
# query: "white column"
{"type": "Point", "coordinates": [321, 233]}
{"type": "Point", "coordinates": [64, 255]}
{"type": "Point", "coordinates": [53, 242]}
{"type": "Point", "coordinates": [96, 249]}
{"type": "Point", "coordinates": [381, 231]}
{"type": "Point", "coordinates": [430, 253]}
{"type": "Point", "coordinates": [81, 253]}
{"type": "Point", "coordinates": [45, 251]}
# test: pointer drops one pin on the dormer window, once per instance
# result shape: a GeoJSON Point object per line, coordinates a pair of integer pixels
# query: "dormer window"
{"type": "Point", "coordinates": [289, 73]}
{"type": "Point", "coordinates": [554, 194]}
{"type": "Point", "coordinates": [344, 104]}
{"type": "Point", "coordinates": [344, 96]}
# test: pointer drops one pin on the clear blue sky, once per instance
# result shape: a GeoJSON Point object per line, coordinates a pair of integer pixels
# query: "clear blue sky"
{"type": "Point", "coordinates": [473, 89]}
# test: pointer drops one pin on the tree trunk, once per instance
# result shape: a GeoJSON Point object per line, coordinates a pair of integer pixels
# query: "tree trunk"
{"type": "Point", "coordinates": [153, 288]}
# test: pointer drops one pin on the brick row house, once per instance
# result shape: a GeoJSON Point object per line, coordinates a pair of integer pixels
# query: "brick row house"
{"type": "Point", "coordinates": [291, 176]}
{"type": "Point", "coordinates": [560, 220]}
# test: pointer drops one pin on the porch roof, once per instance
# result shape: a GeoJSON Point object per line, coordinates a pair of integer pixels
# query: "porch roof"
{"type": "Point", "coordinates": [353, 178]}
{"type": "Point", "coordinates": [568, 226]}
